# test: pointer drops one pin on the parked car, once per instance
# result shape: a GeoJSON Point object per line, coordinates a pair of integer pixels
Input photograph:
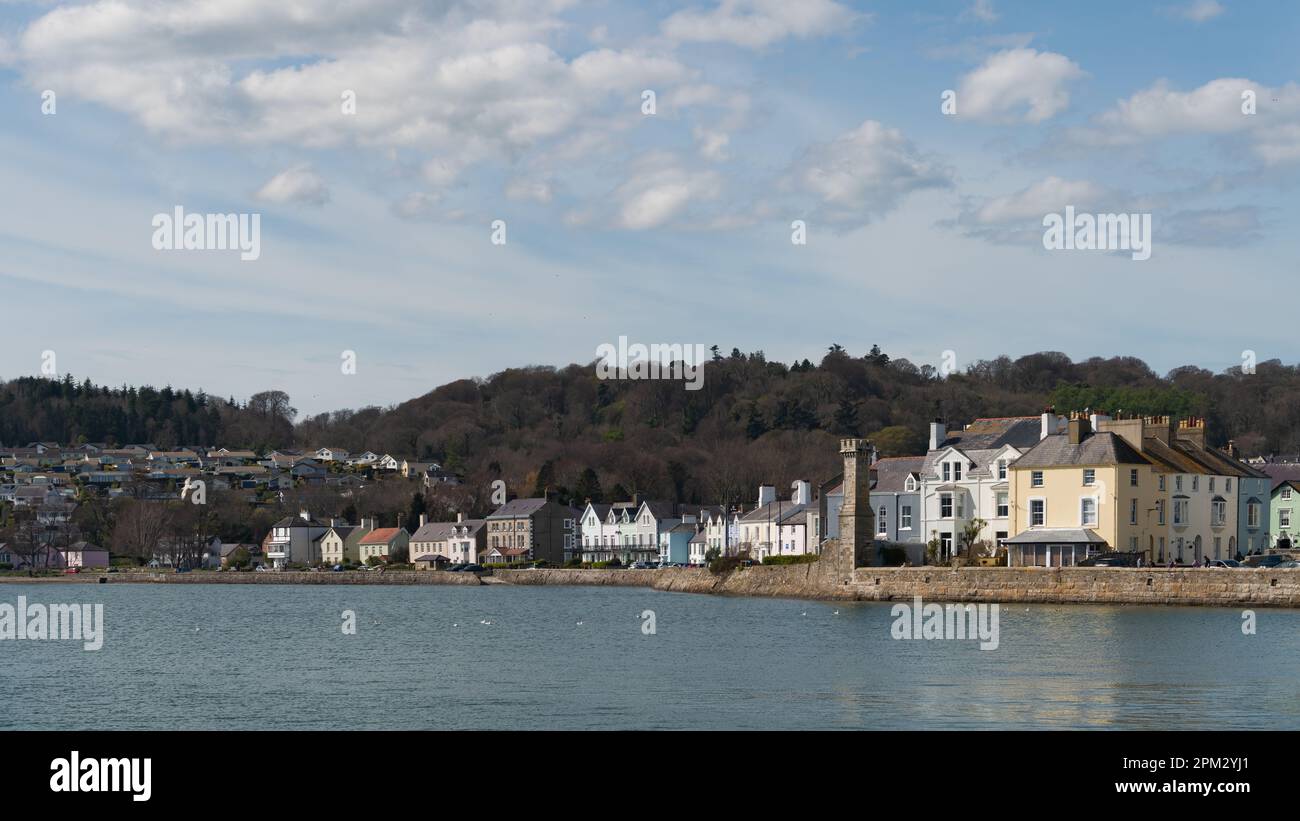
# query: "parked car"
{"type": "Point", "coordinates": [72, 570]}
{"type": "Point", "coordinates": [472, 568]}
{"type": "Point", "coordinates": [338, 568]}
{"type": "Point", "coordinates": [1288, 565]}
{"type": "Point", "coordinates": [1225, 563]}
{"type": "Point", "coordinates": [1272, 560]}
{"type": "Point", "coordinates": [457, 567]}
{"type": "Point", "coordinates": [642, 566]}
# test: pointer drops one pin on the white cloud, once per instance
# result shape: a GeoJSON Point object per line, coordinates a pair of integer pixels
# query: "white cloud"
{"type": "Point", "coordinates": [659, 190]}
{"type": "Point", "coordinates": [1046, 196]}
{"type": "Point", "coordinates": [983, 11]}
{"type": "Point", "coordinates": [298, 184]}
{"type": "Point", "coordinates": [1198, 11]}
{"type": "Point", "coordinates": [864, 173]}
{"type": "Point", "coordinates": [1215, 108]}
{"type": "Point", "coordinates": [1017, 85]}
{"type": "Point", "coordinates": [759, 23]}
{"type": "Point", "coordinates": [712, 144]}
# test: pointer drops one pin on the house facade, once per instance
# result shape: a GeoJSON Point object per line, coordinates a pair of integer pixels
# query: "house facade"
{"type": "Point", "coordinates": [546, 529]}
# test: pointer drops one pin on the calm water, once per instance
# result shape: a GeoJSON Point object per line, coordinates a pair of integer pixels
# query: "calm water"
{"type": "Point", "coordinates": [275, 657]}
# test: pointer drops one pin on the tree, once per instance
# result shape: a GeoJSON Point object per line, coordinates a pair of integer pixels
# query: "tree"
{"type": "Point", "coordinates": [239, 559]}
{"type": "Point", "coordinates": [846, 418]}
{"type": "Point", "coordinates": [971, 547]}
{"type": "Point", "coordinates": [588, 487]}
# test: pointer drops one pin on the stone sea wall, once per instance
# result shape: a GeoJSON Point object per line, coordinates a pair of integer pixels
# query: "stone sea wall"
{"type": "Point", "coordinates": [1214, 587]}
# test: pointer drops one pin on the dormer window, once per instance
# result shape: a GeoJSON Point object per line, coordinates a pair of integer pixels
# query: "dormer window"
{"type": "Point", "coordinates": [956, 471]}
{"type": "Point", "coordinates": [947, 471]}
{"type": "Point", "coordinates": [1002, 468]}
{"type": "Point", "coordinates": [910, 484]}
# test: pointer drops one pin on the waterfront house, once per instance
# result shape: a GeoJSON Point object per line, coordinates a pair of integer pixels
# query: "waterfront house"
{"type": "Point", "coordinates": [675, 543]}
{"type": "Point", "coordinates": [1079, 493]}
{"type": "Point", "coordinates": [295, 540]}
{"type": "Point", "coordinates": [383, 544]}
{"type": "Point", "coordinates": [546, 529]}
{"type": "Point", "coordinates": [778, 527]}
{"type": "Point", "coordinates": [341, 543]}
{"type": "Point", "coordinates": [964, 476]}
{"type": "Point", "coordinates": [84, 555]}
{"type": "Point", "coordinates": [1285, 499]}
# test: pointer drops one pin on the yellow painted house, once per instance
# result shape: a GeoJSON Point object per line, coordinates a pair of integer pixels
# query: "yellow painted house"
{"type": "Point", "coordinates": [1079, 493]}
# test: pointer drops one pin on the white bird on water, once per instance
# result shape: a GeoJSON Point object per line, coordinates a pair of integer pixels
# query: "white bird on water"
{"type": "Point", "coordinates": [579, 623]}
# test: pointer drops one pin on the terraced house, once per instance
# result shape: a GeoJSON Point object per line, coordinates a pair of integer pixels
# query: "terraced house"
{"type": "Point", "coordinates": [1079, 493]}
{"type": "Point", "coordinates": [965, 477]}
{"type": "Point", "coordinates": [1162, 493]}
{"type": "Point", "coordinates": [546, 529]}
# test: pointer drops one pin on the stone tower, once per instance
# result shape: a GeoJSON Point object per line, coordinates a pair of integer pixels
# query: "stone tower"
{"type": "Point", "coordinates": [857, 523]}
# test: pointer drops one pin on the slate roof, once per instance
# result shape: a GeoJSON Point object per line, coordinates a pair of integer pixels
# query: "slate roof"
{"type": "Point", "coordinates": [516, 508]}
{"type": "Point", "coordinates": [1104, 448]}
{"type": "Point", "coordinates": [996, 433]}
{"type": "Point", "coordinates": [892, 473]}
{"type": "Point", "coordinates": [433, 532]}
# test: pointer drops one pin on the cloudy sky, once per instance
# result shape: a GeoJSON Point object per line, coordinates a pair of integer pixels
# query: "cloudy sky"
{"type": "Point", "coordinates": [924, 228]}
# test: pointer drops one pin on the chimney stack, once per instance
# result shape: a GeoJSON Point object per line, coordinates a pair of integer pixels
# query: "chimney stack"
{"type": "Point", "coordinates": [460, 517]}
{"type": "Point", "coordinates": [422, 519]}
{"type": "Point", "coordinates": [1079, 429]}
{"type": "Point", "coordinates": [766, 494]}
{"type": "Point", "coordinates": [1050, 424]}
{"type": "Point", "coordinates": [938, 433]}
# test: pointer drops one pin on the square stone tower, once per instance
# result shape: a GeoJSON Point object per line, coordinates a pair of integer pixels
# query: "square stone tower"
{"type": "Point", "coordinates": [857, 522]}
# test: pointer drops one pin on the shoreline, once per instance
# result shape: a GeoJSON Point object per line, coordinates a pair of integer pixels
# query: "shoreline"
{"type": "Point", "coordinates": [1211, 587]}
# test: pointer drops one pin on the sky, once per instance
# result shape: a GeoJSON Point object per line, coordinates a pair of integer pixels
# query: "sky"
{"type": "Point", "coordinates": [448, 189]}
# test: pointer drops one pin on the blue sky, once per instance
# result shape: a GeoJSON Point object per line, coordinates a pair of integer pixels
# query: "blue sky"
{"type": "Point", "coordinates": [924, 230]}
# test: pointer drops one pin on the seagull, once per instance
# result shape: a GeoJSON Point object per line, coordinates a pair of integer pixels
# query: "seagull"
{"type": "Point", "coordinates": [804, 613]}
{"type": "Point", "coordinates": [579, 624]}
{"type": "Point", "coordinates": [836, 613]}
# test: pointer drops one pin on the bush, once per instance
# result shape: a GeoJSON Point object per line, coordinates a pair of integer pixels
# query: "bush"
{"type": "Point", "coordinates": [806, 558]}
{"type": "Point", "coordinates": [571, 563]}
{"type": "Point", "coordinates": [725, 564]}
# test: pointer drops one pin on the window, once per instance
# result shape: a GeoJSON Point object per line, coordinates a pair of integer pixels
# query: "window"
{"type": "Point", "coordinates": [1211, 484]}
{"type": "Point", "coordinates": [1089, 477]}
{"type": "Point", "coordinates": [1132, 511]}
{"type": "Point", "coordinates": [1037, 512]}
{"type": "Point", "coordinates": [1036, 478]}
{"type": "Point", "coordinates": [1178, 483]}
{"type": "Point", "coordinates": [947, 471]}
{"type": "Point", "coordinates": [1284, 518]}
{"type": "Point", "coordinates": [905, 518]}
{"type": "Point", "coordinates": [1252, 515]}
{"type": "Point", "coordinates": [1228, 484]}
{"type": "Point", "coordinates": [1196, 484]}
{"type": "Point", "coordinates": [945, 505]}
{"type": "Point", "coordinates": [956, 471]}
{"type": "Point", "coordinates": [1002, 468]}
{"type": "Point", "coordinates": [880, 521]}
{"type": "Point", "coordinates": [1133, 477]}
{"type": "Point", "coordinates": [910, 484]}
{"type": "Point", "coordinates": [1218, 513]}
{"type": "Point", "coordinates": [1160, 511]}
{"type": "Point", "coordinates": [1088, 512]}
{"type": "Point", "coordinates": [1162, 482]}
{"type": "Point", "coordinates": [1180, 511]}
{"type": "Point", "coordinates": [1003, 507]}
{"type": "Point", "coordinates": [1286, 493]}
